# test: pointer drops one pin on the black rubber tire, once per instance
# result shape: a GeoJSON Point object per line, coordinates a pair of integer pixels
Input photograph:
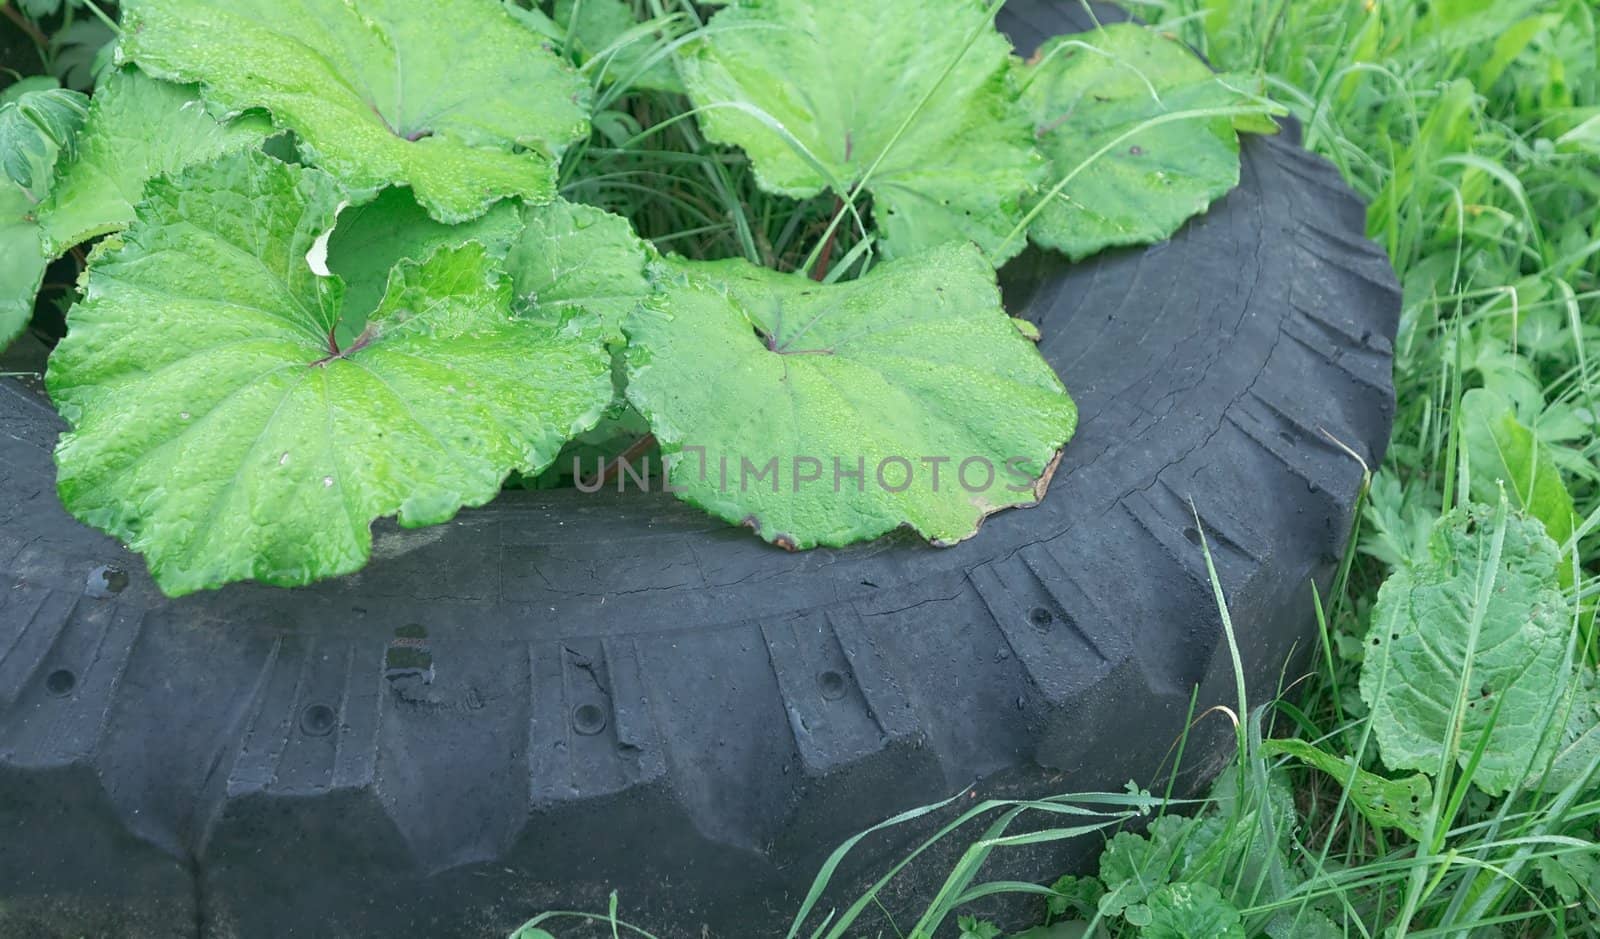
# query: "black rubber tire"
{"type": "Point", "coordinates": [617, 692]}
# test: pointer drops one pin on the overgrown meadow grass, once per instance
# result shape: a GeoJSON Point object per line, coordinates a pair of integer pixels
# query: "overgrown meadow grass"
{"type": "Point", "coordinates": [1472, 127]}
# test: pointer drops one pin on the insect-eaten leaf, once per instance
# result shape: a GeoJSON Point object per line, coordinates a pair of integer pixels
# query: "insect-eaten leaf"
{"type": "Point", "coordinates": [454, 98]}
{"type": "Point", "coordinates": [825, 95]}
{"type": "Point", "coordinates": [1385, 803]}
{"type": "Point", "coordinates": [217, 429]}
{"type": "Point", "coordinates": [830, 414]}
{"type": "Point", "coordinates": [1129, 119]}
{"type": "Point", "coordinates": [1476, 632]}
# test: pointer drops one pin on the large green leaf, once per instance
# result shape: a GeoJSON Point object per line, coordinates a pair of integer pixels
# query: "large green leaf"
{"type": "Point", "coordinates": [453, 97]}
{"type": "Point", "coordinates": [820, 94]}
{"type": "Point", "coordinates": [1113, 182]}
{"type": "Point", "coordinates": [138, 128]}
{"type": "Point", "coordinates": [22, 259]}
{"type": "Point", "coordinates": [1500, 449]}
{"type": "Point", "coordinates": [916, 362]}
{"type": "Point", "coordinates": [1476, 632]}
{"type": "Point", "coordinates": [216, 431]}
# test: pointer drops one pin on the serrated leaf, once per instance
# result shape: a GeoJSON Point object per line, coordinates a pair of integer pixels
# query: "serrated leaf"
{"type": "Point", "coordinates": [916, 361]}
{"type": "Point", "coordinates": [608, 29]}
{"type": "Point", "coordinates": [214, 430]}
{"type": "Point", "coordinates": [137, 128]}
{"type": "Point", "coordinates": [36, 130]}
{"type": "Point", "coordinates": [1191, 910]}
{"type": "Point", "coordinates": [22, 260]}
{"type": "Point", "coordinates": [1500, 449]}
{"type": "Point", "coordinates": [574, 256]}
{"type": "Point", "coordinates": [454, 98]}
{"type": "Point", "coordinates": [1087, 96]}
{"type": "Point", "coordinates": [1385, 803]}
{"type": "Point", "coordinates": [817, 92]}
{"type": "Point", "coordinates": [1479, 627]}
{"type": "Point", "coordinates": [372, 238]}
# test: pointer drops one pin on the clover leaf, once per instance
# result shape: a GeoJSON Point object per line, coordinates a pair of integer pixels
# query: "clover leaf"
{"type": "Point", "coordinates": [1140, 134]}
{"type": "Point", "coordinates": [454, 97]}
{"type": "Point", "coordinates": [911, 98]}
{"type": "Point", "coordinates": [217, 426]}
{"type": "Point", "coordinates": [828, 414]}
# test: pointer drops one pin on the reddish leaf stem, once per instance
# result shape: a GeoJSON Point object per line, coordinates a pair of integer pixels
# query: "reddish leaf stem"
{"type": "Point", "coordinates": [821, 272]}
{"type": "Point", "coordinates": [635, 450]}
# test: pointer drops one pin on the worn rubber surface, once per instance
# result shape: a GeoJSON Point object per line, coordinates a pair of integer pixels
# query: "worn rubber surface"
{"type": "Point", "coordinates": [563, 694]}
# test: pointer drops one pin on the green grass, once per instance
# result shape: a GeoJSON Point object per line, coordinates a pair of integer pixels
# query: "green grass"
{"type": "Point", "coordinates": [1472, 128]}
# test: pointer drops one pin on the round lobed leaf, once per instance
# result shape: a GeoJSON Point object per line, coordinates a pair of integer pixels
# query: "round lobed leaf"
{"type": "Point", "coordinates": [817, 94]}
{"type": "Point", "coordinates": [1125, 184]}
{"type": "Point", "coordinates": [763, 388]}
{"type": "Point", "coordinates": [216, 430]}
{"type": "Point", "coordinates": [454, 97]}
